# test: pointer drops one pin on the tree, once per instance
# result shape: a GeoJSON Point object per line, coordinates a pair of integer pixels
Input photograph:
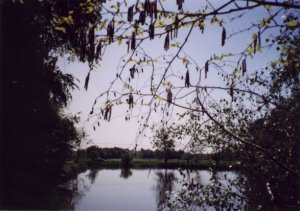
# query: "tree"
{"type": "Point", "coordinates": [280, 134]}
{"type": "Point", "coordinates": [36, 135]}
{"type": "Point", "coordinates": [164, 143]}
{"type": "Point", "coordinates": [93, 152]}
{"type": "Point", "coordinates": [126, 159]}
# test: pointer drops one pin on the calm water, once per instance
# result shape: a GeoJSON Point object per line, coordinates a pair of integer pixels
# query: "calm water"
{"type": "Point", "coordinates": [132, 189]}
{"type": "Point", "coordinates": [94, 188]}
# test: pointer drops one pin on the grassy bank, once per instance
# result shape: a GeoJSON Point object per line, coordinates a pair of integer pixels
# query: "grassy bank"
{"type": "Point", "coordinates": [150, 163]}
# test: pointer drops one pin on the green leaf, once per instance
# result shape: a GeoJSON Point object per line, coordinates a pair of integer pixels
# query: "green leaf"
{"type": "Point", "coordinates": [119, 41]}
{"type": "Point", "coordinates": [159, 97]}
{"type": "Point", "coordinates": [268, 7]}
{"type": "Point", "coordinates": [90, 9]}
{"type": "Point", "coordinates": [60, 28]}
{"type": "Point", "coordinates": [254, 36]}
{"type": "Point", "coordinates": [293, 23]}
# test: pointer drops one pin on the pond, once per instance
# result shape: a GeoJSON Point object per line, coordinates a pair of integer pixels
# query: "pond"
{"type": "Point", "coordinates": [134, 189]}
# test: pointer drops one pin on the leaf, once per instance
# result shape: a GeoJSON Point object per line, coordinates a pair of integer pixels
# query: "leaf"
{"type": "Point", "coordinates": [90, 9]}
{"type": "Point", "coordinates": [159, 97]}
{"type": "Point", "coordinates": [293, 23]}
{"type": "Point", "coordinates": [119, 41]}
{"type": "Point", "coordinates": [214, 20]}
{"type": "Point", "coordinates": [268, 7]}
{"type": "Point", "coordinates": [254, 36]}
{"type": "Point", "coordinates": [60, 28]}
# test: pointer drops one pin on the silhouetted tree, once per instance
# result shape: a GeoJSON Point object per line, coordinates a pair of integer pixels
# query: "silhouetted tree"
{"type": "Point", "coordinates": [93, 152]}
{"type": "Point", "coordinates": [37, 137]}
{"type": "Point", "coordinates": [164, 143]}
{"type": "Point", "coordinates": [126, 159]}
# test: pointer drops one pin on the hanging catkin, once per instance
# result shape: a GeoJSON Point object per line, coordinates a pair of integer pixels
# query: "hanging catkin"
{"type": "Point", "coordinates": [111, 31]}
{"type": "Point", "coordinates": [231, 91]}
{"type": "Point", "coordinates": [187, 79]}
{"type": "Point", "coordinates": [176, 26]}
{"type": "Point", "coordinates": [244, 66]}
{"type": "Point", "coordinates": [130, 101]}
{"type": "Point", "coordinates": [98, 50]}
{"type": "Point", "coordinates": [142, 17]}
{"type": "Point", "coordinates": [223, 36]}
{"type": "Point", "coordinates": [206, 69]}
{"type": "Point", "coordinates": [151, 30]}
{"type": "Point", "coordinates": [179, 4]}
{"type": "Point", "coordinates": [86, 84]}
{"type": "Point", "coordinates": [169, 96]}
{"type": "Point", "coordinates": [167, 42]}
{"type": "Point", "coordinates": [132, 71]}
{"type": "Point", "coordinates": [133, 41]}
{"type": "Point", "coordinates": [130, 13]}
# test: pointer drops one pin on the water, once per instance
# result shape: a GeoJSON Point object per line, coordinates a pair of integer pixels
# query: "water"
{"type": "Point", "coordinates": [132, 189]}
{"type": "Point", "coordinates": [112, 191]}
{"type": "Point", "coordinates": [94, 188]}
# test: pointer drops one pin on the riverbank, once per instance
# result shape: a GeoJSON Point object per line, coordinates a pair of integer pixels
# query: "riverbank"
{"type": "Point", "coordinates": [151, 163]}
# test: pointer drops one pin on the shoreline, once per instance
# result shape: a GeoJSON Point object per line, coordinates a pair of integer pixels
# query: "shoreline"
{"type": "Point", "coordinates": [80, 165]}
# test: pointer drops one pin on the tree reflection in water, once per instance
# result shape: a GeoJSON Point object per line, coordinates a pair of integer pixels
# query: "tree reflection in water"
{"type": "Point", "coordinates": [224, 190]}
{"type": "Point", "coordinates": [125, 173]}
{"type": "Point", "coordinates": [164, 186]}
{"type": "Point", "coordinates": [66, 195]}
{"type": "Point", "coordinates": [93, 173]}
{"type": "Point", "coordinates": [71, 190]}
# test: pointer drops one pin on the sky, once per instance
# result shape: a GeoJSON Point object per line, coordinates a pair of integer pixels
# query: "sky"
{"type": "Point", "coordinates": [200, 47]}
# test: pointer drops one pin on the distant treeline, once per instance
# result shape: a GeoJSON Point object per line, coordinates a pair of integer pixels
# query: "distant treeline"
{"type": "Point", "coordinates": [96, 153]}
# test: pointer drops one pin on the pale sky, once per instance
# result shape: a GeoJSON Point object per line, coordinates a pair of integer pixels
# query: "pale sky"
{"type": "Point", "coordinates": [200, 47]}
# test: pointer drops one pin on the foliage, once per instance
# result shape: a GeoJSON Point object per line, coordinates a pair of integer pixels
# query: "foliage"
{"type": "Point", "coordinates": [223, 192]}
{"type": "Point", "coordinates": [36, 135]}
{"type": "Point", "coordinates": [164, 143]}
{"type": "Point", "coordinates": [92, 152]}
{"type": "Point", "coordinates": [147, 154]}
{"type": "Point", "coordinates": [278, 132]}
{"type": "Point", "coordinates": [126, 159]}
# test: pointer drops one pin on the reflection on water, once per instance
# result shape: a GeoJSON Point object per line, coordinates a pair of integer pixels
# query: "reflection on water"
{"type": "Point", "coordinates": [165, 180]}
{"type": "Point", "coordinates": [134, 189]}
{"type": "Point", "coordinates": [93, 173]}
{"type": "Point", "coordinates": [117, 189]}
{"type": "Point", "coordinates": [111, 191]}
{"type": "Point", "coordinates": [210, 190]}
{"type": "Point", "coordinates": [125, 173]}
{"type": "Point", "coordinates": [146, 189]}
